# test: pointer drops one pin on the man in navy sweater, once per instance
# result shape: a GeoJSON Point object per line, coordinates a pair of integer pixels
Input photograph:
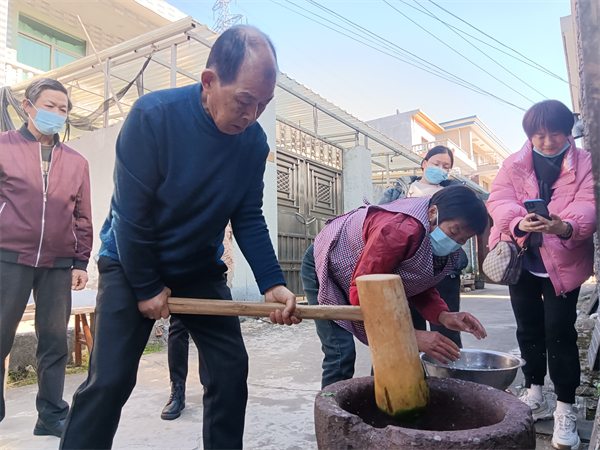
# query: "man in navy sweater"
{"type": "Point", "coordinates": [188, 161]}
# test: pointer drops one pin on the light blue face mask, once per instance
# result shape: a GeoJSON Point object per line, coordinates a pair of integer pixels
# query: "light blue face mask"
{"type": "Point", "coordinates": [46, 122]}
{"type": "Point", "coordinates": [442, 244]}
{"type": "Point", "coordinates": [564, 149]}
{"type": "Point", "coordinates": [435, 175]}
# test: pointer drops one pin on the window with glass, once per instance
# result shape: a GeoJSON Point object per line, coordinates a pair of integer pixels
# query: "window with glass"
{"type": "Point", "coordinates": [46, 48]}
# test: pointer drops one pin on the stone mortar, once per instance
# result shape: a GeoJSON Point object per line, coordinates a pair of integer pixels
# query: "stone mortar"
{"type": "Point", "coordinates": [460, 415]}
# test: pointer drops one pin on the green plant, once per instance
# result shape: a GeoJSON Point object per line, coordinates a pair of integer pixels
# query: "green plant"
{"type": "Point", "coordinates": [26, 376]}
{"type": "Point", "coordinates": [479, 277]}
{"type": "Point", "coordinates": [152, 348]}
{"type": "Point", "coordinates": [469, 269]}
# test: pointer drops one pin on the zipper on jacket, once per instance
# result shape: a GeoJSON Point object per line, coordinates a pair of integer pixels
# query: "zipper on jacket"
{"type": "Point", "coordinates": [45, 183]}
{"type": "Point", "coordinates": [75, 236]}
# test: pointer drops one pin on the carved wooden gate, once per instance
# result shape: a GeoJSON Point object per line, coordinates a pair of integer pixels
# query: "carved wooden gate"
{"type": "Point", "coordinates": [308, 194]}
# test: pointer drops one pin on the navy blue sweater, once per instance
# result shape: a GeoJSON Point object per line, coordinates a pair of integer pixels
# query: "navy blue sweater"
{"type": "Point", "coordinates": [178, 181]}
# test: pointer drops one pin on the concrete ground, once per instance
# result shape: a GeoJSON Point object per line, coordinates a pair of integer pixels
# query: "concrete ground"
{"type": "Point", "coordinates": [284, 379]}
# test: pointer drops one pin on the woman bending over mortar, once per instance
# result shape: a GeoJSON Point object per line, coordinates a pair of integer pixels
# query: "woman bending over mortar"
{"type": "Point", "coordinates": [435, 165]}
{"type": "Point", "coordinates": [416, 238]}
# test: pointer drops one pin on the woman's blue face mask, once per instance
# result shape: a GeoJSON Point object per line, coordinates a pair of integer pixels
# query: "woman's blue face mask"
{"type": "Point", "coordinates": [560, 152]}
{"type": "Point", "coordinates": [435, 175]}
{"type": "Point", "coordinates": [442, 244]}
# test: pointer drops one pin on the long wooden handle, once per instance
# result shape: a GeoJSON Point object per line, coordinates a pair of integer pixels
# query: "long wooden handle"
{"type": "Point", "coordinates": [260, 309]}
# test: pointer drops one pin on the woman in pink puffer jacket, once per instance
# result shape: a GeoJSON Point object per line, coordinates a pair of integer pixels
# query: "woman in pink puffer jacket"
{"type": "Point", "coordinates": [558, 259]}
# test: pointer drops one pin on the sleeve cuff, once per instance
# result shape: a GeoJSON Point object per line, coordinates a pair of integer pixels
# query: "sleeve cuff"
{"type": "Point", "coordinates": [354, 300]}
{"type": "Point", "coordinates": [437, 321]}
{"type": "Point", "coordinates": [80, 264]}
{"type": "Point", "coordinates": [149, 291]}
{"type": "Point", "coordinates": [518, 233]}
{"type": "Point", "coordinates": [514, 227]}
{"type": "Point", "coordinates": [268, 281]}
{"type": "Point", "coordinates": [575, 232]}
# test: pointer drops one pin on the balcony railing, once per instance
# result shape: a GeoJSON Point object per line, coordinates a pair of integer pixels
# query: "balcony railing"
{"type": "Point", "coordinates": [483, 160]}
{"type": "Point", "coordinates": [421, 149]}
{"type": "Point", "coordinates": [16, 72]}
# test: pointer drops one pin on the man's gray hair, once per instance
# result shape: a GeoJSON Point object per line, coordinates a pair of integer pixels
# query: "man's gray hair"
{"type": "Point", "coordinates": [39, 85]}
{"type": "Point", "coordinates": [231, 48]}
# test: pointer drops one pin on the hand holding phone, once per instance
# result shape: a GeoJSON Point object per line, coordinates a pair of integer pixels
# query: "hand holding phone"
{"type": "Point", "coordinates": [537, 206]}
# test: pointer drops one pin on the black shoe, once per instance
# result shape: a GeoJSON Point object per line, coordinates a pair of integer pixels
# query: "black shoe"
{"type": "Point", "coordinates": [42, 429]}
{"type": "Point", "coordinates": [176, 402]}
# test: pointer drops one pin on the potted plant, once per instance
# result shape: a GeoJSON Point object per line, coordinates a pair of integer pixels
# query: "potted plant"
{"type": "Point", "coordinates": [468, 273]}
{"type": "Point", "coordinates": [479, 281]}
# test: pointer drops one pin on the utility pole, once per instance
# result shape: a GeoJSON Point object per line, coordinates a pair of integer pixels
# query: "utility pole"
{"type": "Point", "coordinates": [588, 19]}
{"type": "Point", "coordinates": [224, 19]}
{"type": "Point", "coordinates": [588, 24]}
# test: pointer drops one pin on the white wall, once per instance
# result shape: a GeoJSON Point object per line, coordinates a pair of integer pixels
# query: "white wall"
{"type": "Point", "coordinates": [378, 191]}
{"type": "Point", "coordinates": [398, 127]}
{"type": "Point", "coordinates": [98, 147]}
{"type": "Point", "coordinates": [419, 132]}
{"type": "Point", "coordinates": [356, 177]}
{"type": "Point", "coordinates": [244, 287]}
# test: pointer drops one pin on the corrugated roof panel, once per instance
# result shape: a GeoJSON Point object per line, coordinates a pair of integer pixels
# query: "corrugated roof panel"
{"type": "Point", "coordinates": [294, 102]}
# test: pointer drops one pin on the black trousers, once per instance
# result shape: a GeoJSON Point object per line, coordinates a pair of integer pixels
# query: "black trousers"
{"type": "Point", "coordinates": [546, 334]}
{"type": "Point", "coordinates": [52, 295]}
{"type": "Point", "coordinates": [449, 289]}
{"type": "Point", "coordinates": [178, 348]}
{"type": "Point", "coordinates": [120, 337]}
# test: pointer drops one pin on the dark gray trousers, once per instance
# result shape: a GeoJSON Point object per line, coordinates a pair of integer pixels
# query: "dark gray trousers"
{"type": "Point", "coordinates": [179, 350]}
{"type": "Point", "coordinates": [120, 335]}
{"type": "Point", "coordinates": [52, 295]}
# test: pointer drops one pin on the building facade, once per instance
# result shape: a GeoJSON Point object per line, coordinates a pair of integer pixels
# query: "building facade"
{"type": "Point", "coordinates": [318, 167]}
{"type": "Point", "coordinates": [38, 35]}
{"type": "Point", "coordinates": [478, 152]}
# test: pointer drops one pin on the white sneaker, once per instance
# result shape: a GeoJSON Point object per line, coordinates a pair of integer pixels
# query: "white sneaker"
{"type": "Point", "coordinates": [565, 435]}
{"type": "Point", "coordinates": [539, 409]}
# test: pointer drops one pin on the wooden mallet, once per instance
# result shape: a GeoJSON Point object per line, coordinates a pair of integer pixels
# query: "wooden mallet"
{"type": "Point", "coordinates": [400, 385]}
{"type": "Point", "coordinates": [401, 388]}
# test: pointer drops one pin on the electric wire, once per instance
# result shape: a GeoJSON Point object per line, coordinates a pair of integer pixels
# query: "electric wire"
{"type": "Point", "coordinates": [482, 52]}
{"type": "Point", "coordinates": [367, 37]}
{"type": "Point", "coordinates": [458, 52]}
{"type": "Point", "coordinates": [371, 46]}
{"type": "Point", "coordinates": [430, 14]}
{"type": "Point", "coordinates": [458, 80]}
{"type": "Point", "coordinates": [502, 44]}
{"type": "Point", "coordinates": [472, 86]}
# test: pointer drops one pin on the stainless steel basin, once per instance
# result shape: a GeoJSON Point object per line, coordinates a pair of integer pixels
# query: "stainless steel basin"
{"type": "Point", "coordinates": [494, 369]}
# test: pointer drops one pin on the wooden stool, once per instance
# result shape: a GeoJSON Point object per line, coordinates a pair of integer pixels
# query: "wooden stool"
{"type": "Point", "coordinates": [83, 335]}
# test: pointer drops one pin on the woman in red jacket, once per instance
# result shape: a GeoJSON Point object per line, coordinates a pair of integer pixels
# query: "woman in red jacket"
{"type": "Point", "coordinates": [416, 238]}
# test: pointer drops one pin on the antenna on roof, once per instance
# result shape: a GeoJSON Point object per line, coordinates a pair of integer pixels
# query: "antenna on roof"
{"type": "Point", "coordinates": [224, 18]}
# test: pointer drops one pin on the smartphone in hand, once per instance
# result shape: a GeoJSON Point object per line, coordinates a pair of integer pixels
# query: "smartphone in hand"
{"type": "Point", "coordinates": [537, 206]}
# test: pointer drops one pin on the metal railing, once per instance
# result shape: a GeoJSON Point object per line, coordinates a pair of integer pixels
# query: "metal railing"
{"type": "Point", "coordinates": [305, 145]}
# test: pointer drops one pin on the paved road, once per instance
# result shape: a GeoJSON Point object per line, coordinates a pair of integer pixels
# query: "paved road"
{"type": "Point", "coordinates": [284, 378]}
